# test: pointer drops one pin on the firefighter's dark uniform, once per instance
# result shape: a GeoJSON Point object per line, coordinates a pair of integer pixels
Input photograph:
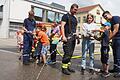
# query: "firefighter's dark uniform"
{"type": "Point", "coordinates": [27, 39]}
{"type": "Point", "coordinates": [68, 47]}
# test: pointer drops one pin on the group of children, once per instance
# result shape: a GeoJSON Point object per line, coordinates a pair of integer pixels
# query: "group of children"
{"type": "Point", "coordinates": [43, 41]}
{"type": "Point", "coordinates": [42, 37]}
{"type": "Point", "coordinates": [48, 42]}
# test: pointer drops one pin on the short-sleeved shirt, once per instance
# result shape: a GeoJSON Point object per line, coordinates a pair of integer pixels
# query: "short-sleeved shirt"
{"type": "Point", "coordinates": [56, 30]}
{"type": "Point", "coordinates": [107, 24]}
{"type": "Point", "coordinates": [43, 38]}
{"type": "Point", "coordinates": [115, 20]}
{"type": "Point", "coordinates": [73, 21]}
{"type": "Point", "coordinates": [29, 24]}
{"type": "Point", "coordinates": [105, 36]}
{"type": "Point", "coordinates": [56, 37]}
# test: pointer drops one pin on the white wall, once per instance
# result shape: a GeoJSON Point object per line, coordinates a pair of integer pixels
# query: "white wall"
{"type": "Point", "coordinates": [2, 2]}
{"type": "Point", "coordinates": [98, 17]}
{"type": "Point", "coordinates": [19, 9]}
{"type": "Point", "coordinates": [4, 27]}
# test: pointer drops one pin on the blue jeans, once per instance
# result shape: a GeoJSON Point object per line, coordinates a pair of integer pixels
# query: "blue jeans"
{"type": "Point", "coordinates": [87, 45]}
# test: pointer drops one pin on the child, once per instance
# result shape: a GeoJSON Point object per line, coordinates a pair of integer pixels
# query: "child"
{"type": "Point", "coordinates": [36, 47]}
{"type": "Point", "coordinates": [20, 39]}
{"type": "Point", "coordinates": [105, 49]}
{"type": "Point", "coordinates": [88, 44]}
{"type": "Point", "coordinates": [42, 36]}
{"type": "Point", "coordinates": [54, 38]}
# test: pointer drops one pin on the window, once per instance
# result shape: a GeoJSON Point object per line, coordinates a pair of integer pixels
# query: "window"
{"type": "Point", "coordinates": [60, 16]}
{"type": "Point", "coordinates": [78, 28]}
{"type": "Point", "coordinates": [79, 19]}
{"type": "Point", "coordinates": [98, 12]}
{"type": "Point", "coordinates": [84, 18]}
{"type": "Point", "coordinates": [38, 14]}
{"type": "Point", "coordinates": [51, 16]}
{"type": "Point", "coordinates": [1, 8]}
{"type": "Point", "coordinates": [0, 22]}
{"type": "Point", "coordinates": [100, 18]}
{"type": "Point", "coordinates": [57, 17]}
{"type": "Point", "coordinates": [95, 19]}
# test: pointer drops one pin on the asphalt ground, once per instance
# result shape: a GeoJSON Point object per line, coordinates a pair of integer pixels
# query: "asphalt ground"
{"type": "Point", "coordinates": [11, 68]}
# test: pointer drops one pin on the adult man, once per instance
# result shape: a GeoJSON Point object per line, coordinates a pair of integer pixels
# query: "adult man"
{"type": "Point", "coordinates": [29, 26]}
{"type": "Point", "coordinates": [115, 36]}
{"type": "Point", "coordinates": [68, 28]}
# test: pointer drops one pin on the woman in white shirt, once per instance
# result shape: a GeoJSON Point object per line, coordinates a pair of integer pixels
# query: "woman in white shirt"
{"type": "Point", "coordinates": [88, 43]}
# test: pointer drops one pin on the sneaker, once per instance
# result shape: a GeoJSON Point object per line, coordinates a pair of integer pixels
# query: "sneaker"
{"type": "Point", "coordinates": [101, 71]}
{"type": "Point", "coordinates": [26, 63]}
{"type": "Point", "coordinates": [106, 74]}
{"type": "Point", "coordinates": [32, 60]}
{"type": "Point", "coordinates": [18, 51]}
{"type": "Point", "coordinates": [20, 58]}
{"type": "Point", "coordinates": [71, 70]}
{"type": "Point", "coordinates": [38, 62]}
{"type": "Point", "coordinates": [51, 62]}
{"type": "Point", "coordinates": [91, 71]}
{"type": "Point", "coordinates": [65, 71]}
{"type": "Point", "coordinates": [82, 71]}
{"type": "Point", "coordinates": [112, 71]}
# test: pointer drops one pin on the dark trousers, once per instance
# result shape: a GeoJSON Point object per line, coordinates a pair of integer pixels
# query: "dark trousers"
{"type": "Point", "coordinates": [68, 48]}
{"type": "Point", "coordinates": [53, 52]}
{"type": "Point", "coordinates": [116, 54]}
{"type": "Point", "coordinates": [104, 54]}
{"type": "Point", "coordinates": [37, 51]}
{"type": "Point", "coordinates": [27, 47]}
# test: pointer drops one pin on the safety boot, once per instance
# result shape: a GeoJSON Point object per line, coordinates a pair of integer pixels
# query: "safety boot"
{"type": "Point", "coordinates": [26, 63]}
{"type": "Point", "coordinates": [71, 70]}
{"type": "Point", "coordinates": [25, 59]}
{"type": "Point", "coordinates": [65, 71]}
{"type": "Point", "coordinates": [91, 71]}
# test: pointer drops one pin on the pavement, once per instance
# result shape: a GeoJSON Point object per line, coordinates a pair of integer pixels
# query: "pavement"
{"type": "Point", "coordinates": [11, 68]}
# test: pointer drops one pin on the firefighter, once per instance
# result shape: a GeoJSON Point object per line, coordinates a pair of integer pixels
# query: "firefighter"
{"type": "Point", "coordinates": [29, 26]}
{"type": "Point", "coordinates": [68, 28]}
